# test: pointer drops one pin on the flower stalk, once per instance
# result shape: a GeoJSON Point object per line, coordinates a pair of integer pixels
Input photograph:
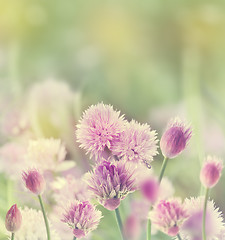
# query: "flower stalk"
{"type": "Point", "coordinates": [45, 217]}
{"type": "Point", "coordinates": [179, 237]}
{"type": "Point", "coordinates": [165, 161]}
{"type": "Point", "coordinates": [13, 236]}
{"type": "Point", "coordinates": [119, 222]}
{"type": "Point", "coordinates": [204, 214]}
{"type": "Point", "coordinates": [149, 225]}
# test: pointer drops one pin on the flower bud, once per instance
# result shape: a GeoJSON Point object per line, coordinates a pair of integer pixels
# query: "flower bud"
{"type": "Point", "coordinates": [13, 219]}
{"type": "Point", "coordinates": [34, 181]}
{"type": "Point", "coordinates": [211, 172]}
{"type": "Point", "coordinates": [175, 138]}
{"type": "Point", "coordinates": [150, 189]}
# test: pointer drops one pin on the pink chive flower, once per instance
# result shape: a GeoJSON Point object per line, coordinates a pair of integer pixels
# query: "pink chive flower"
{"type": "Point", "coordinates": [175, 139]}
{"type": "Point", "coordinates": [13, 219]}
{"type": "Point", "coordinates": [168, 216]}
{"type": "Point", "coordinates": [192, 227]}
{"type": "Point", "coordinates": [82, 218]}
{"type": "Point", "coordinates": [150, 189]}
{"type": "Point", "coordinates": [110, 182]}
{"type": "Point", "coordinates": [211, 171]}
{"type": "Point", "coordinates": [137, 143]}
{"type": "Point", "coordinates": [99, 127]}
{"type": "Point", "coordinates": [34, 181]}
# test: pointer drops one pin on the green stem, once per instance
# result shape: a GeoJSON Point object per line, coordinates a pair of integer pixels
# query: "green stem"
{"type": "Point", "coordinates": [119, 222]}
{"type": "Point", "coordinates": [204, 214]}
{"type": "Point", "coordinates": [45, 217]}
{"type": "Point", "coordinates": [165, 161]}
{"type": "Point", "coordinates": [74, 238]}
{"type": "Point", "coordinates": [13, 235]}
{"type": "Point", "coordinates": [149, 225]}
{"type": "Point", "coordinates": [149, 230]}
{"type": "Point", "coordinates": [179, 237]}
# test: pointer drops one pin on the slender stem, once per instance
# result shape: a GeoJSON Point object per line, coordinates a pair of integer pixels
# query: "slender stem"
{"type": "Point", "coordinates": [74, 238]}
{"type": "Point", "coordinates": [163, 169]}
{"type": "Point", "coordinates": [149, 225]}
{"type": "Point", "coordinates": [119, 222]}
{"type": "Point", "coordinates": [204, 214]}
{"type": "Point", "coordinates": [13, 235]}
{"type": "Point", "coordinates": [149, 230]}
{"type": "Point", "coordinates": [45, 217]}
{"type": "Point", "coordinates": [179, 237]}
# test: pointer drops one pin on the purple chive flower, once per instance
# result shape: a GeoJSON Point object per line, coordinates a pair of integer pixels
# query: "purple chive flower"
{"type": "Point", "coordinates": [211, 172]}
{"type": "Point", "coordinates": [192, 227]}
{"type": "Point", "coordinates": [110, 182]}
{"type": "Point", "coordinates": [82, 218]}
{"type": "Point", "coordinates": [136, 144]}
{"type": "Point", "coordinates": [13, 219]}
{"type": "Point", "coordinates": [99, 127]}
{"type": "Point", "coordinates": [34, 181]}
{"type": "Point", "coordinates": [175, 139]}
{"type": "Point", "coordinates": [150, 189]}
{"type": "Point", "coordinates": [168, 216]}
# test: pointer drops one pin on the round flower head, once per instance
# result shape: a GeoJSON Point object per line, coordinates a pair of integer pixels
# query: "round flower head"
{"type": "Point", "coordinates": [168, 216]}
{"type": "Point", "coordinates": [33, 227]}
{"type": "Point", "coordinates": [137, 143]}
{"type": "Point", "coordinates": [46, 153]}
{"type": "Point", "coordinates": [110, 182]}
{"type": "Point", "coordinates": [13, 219]}
{"type": "Point", "coordinates": [34, 181]}
{"type": "Point", "coordinates": [82, 218]}
{"type": "Point", "coordinates": [175, 139]}
{"type": "Point", "coordinates": [99, 127]}
{"type": "Point", "coordinates": [192, 227]}
{"type": "Point", "coordinates": [150, 189]}
{"type": "Point", "coordinates": [211, 171]}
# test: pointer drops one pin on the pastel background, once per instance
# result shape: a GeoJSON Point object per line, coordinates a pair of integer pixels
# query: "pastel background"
{"type": "Point", "coordinates": [152, 60]}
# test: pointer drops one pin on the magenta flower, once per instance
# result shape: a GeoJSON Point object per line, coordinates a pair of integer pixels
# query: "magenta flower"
{"type": "Point", "coordinates": [110, 182]}
{"type": "Point", "coordinates": [211, 171]}
{"type": "Point", "coordinates": [137, 143]}
{"type": "Point", "coordinates": [34, 181]}
{"type": "Point", "coordinates": [150, 189]}
{"type": "Point", "coordinates": [168, 216]}
{"type": "Point", "coordinates": [99, 127]}
{"type": "Point", "coordinates": [13, 219]}
{"type": "Point", "coordinates": [82, 218]}
{"type": "Point", "coordinates": [192, 227]}
{"type": "Point", "coordinates": [175, 139]}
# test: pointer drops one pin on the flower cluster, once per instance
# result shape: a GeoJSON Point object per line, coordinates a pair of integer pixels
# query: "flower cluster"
{"type": "Point", "coordinates": [110, 182]}
{"type": "Point", "coordinates": [137, 143]}
{"type": "Point", "coordinates": [46, 154]}
{"type": "Point", "coordinates": [99, 127]}
{"type": "Point", "coordinates": [123, 152]}
{"type": "Point", "coordinates": [211, 171]}
{"type": "Point", "coordinates": [192, 227]}
{"type": "Point", "coordinates": [82, 217]}
{"type": "Point", "coordinates": [175, 138]}
{"type": "Point", "coordinates": [103, 133]}
{"type": "Point", "coordinates": [169, 215]}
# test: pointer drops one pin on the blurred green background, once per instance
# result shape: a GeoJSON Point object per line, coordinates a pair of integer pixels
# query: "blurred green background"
{"type": "Point", "coordinates": [150, 59]}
